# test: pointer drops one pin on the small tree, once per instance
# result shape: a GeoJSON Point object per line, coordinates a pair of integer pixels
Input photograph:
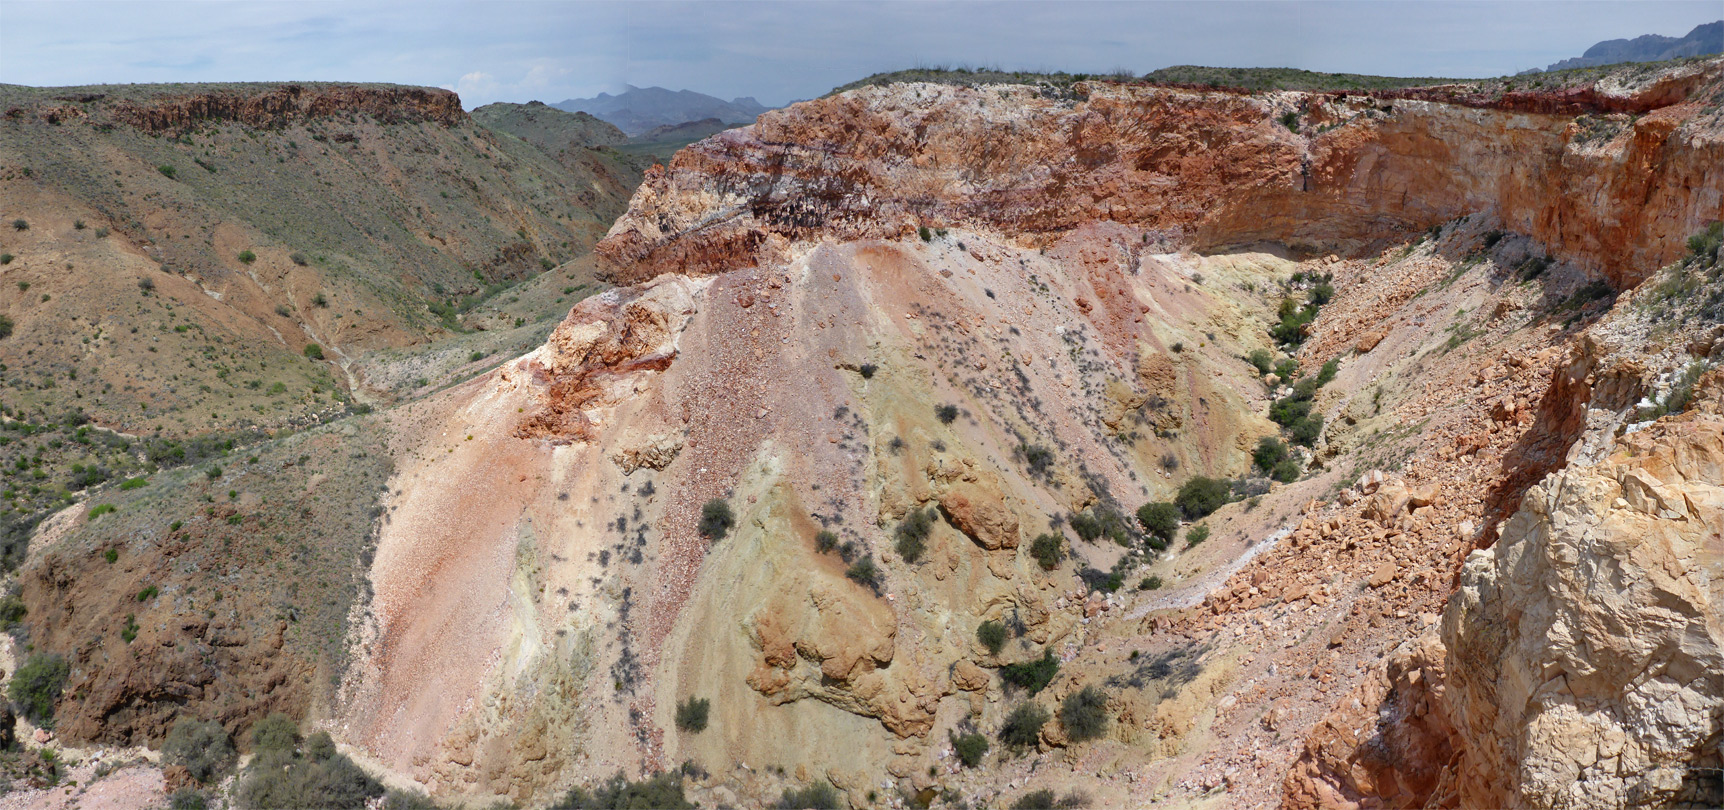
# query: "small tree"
{"type": "Point", "coordinates": [1202, 495]}
{"type": "Point", "coordinates": [1084, 714]}
{"type": "Point", "coordinates": [691, 714]}
{"type": "Point", "coordinates": [716, 519]}
{"type": "Point", "coordinates": [1270, 452]}
{"type": "Point", "coordinates": [992, 635]}
{"type": "Point", "coordinates": [1160, 520]}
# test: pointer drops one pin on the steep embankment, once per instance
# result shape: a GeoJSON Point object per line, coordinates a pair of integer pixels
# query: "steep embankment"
{"type": "Point", "coordinates": [813, 290]}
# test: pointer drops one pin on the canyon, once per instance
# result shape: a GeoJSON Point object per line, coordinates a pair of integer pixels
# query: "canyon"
{"type": "Point", "coordinates": [853, 443]}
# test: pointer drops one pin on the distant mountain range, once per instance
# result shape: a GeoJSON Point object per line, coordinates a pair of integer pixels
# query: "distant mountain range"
{"type": "Point", "coordinates": [640, 109]}
{"type": "Point", "coordinates": [1703, 40]}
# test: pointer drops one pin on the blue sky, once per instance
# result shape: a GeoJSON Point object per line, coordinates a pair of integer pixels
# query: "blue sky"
{"type": "Point", "coordinates": [519, 50]}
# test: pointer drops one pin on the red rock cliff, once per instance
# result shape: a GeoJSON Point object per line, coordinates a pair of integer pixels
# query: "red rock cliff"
{"type": "Point", "coordinates": [267, 107]}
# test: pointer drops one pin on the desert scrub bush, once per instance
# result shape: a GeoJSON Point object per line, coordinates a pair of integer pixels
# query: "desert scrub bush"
{"type": "Point", "coordinates": [137, 482]}
{"type": "Point", "coordinates": [313, 351]}
{"type": "Point", "coordinates": [167, 171]}
{"type": "Point", "coordinates": [1047, 548]}
{"type": "Point", "coordinates": [925, 234]}
{"type": "Point", "coordinates": [1084, 714]}
{"type": "Point", "coordinates": [662, 790]}
{"type": "Point", "coordinates": [691, 714]}
{"type": "Point", "coordinates": [1326, 374]}
{"type": "Point", "coordinates": [320, 301]}
{"type": "Point", "coordinates": [817, 796]}
{"type": "Point", "coordinates": [865, 573]}
{"type": "Point", "coordinates": [312, 775]}
{"type": "Point", "coordinates": [101, 509]}
{"type": "Point", "coordinates": [298, 258]}
{"type": "Point", "coordinates": [867, 370]}
{"type": "Point", "coordinates": [246, 257]}
{"type": "Point", "coordinates": [970, 748]}
{"type": "Point", "coordinates": [149, 592]}
{"type": "Point", "coordinates": [1023, 726]}
{"type": "Point", "coordinates": [1044, 799]}
{"type": "Point", "coordinates": [1149, 584]}
{"type": "Point", "coordinates": [1705, 244]}
{"type": "Point", "coordinates": [202, 746]}
{"type": "Point", "coordinates": [716, 519]}
{"type": "Point", "coordinates": [825, 541]}
{"type": "Point", "coordinates": [992, 635]}
{"type": "Point", "coordinates": [1270, 452]}
{"type": "Point", "coordinates": [1286, 471]}
{"type": "Point", "coordinates": [408, 800]}
{"type": "Point", "coordinates": [1262, 360]}
{"type": "Point", "coordinates": [1159, 520]}
{"type": "Point", "coordinates": [913, 534]}
{"type": "Point", "coordinates": [20, 225]}
{"type": "Point", "coordinates": [277, 732]}
{"type": "Point", "coordinates": [1306, 431]}
{"type": "Point", "coordinates": [37, 685]}
{"type": "Point", "coordinates": [1195, 535]}
{"type": "Point", "coordinates": [1101, 521]}
{"type": "Point", "coordinates": [12, 611]}
{"type": "Point", "coordinates": [1290, 120]}
{"type": "Point", "coordinates": [188, 798]}
{"type": "Point", "coordinates": [1032, 676]}
{"type": "Point", "coordinates": [1037, 458]}
{"type": "Point", "coordinates": [6, 258]}
{"type": "Point", "coordinates": [129, 630]}
{"type": "Point", "coordinates": [1201, 496]}
{"type": "Point", "coordinates": [947, 414]}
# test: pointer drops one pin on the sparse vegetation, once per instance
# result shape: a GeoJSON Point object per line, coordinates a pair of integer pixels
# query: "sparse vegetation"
{"type": "Point", "coordinates": [1048, 549]}
{"type": "Point", "coordinates": [691, 714]}
{"type": "Point", "coordinates": [1084, 714]}
{"type": "Point", "coordinates": [1023, 726]}
{"type": "Point", "coordinates": [286, 773]}
{"type": "Point", "coordinates": [202, 747]}
{"type": "Point", "coordinates": [1038, 459]}
{"type": "Point", "coordinates": [825, 541]}
{"type": "Point", "coordinates": [662, 790]}
{"type": "Point", "coordinates": [36, 686]}
{"type": "Point", "coordinates": [970, 748]}
{"type": "Point", "coordinates": [864, 572]}
{"type": "Point", "coordinates": [1149, 584]}
{"type": "Point", "coordinates": [816, 796]}
{"type": "Point", "coordinates": [1195, 535]}
{"type": "Point", "coordinates": [946, 413]}
{"type": "Point", "coordinates": [1262, 360]}
{"type": "Point", "coordinates": [1032, 676]}
{"type": "Point", "coordinates": [867, 370]}
{"type": "Point", "coordinates": [913, 534]}
{"type": "Point", "coordinates": [716, 519]}
{"type": "Point", "coordinates": [992, 635]}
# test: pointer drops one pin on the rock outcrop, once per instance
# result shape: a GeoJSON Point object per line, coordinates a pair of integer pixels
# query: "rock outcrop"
{"type": "Point", "coordinates": [273, 106]}
{"type": "Point", "coordinates": [1586, 649]}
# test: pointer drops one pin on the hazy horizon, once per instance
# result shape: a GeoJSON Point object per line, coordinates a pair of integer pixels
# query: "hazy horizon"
{"type": "Point", "coordinates": [513, 50]}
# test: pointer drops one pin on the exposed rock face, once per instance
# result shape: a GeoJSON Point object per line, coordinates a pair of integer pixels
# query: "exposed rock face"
{"type": "Point", "coordinates": [268, 107]}
{"type": "Point", "coordinates": [1586, 649]}
{"type": "Point", "coordinates": [1217, 167]}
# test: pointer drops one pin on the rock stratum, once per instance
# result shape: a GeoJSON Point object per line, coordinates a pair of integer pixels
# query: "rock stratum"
{"type": "Point", "coordinates": [932, 346]}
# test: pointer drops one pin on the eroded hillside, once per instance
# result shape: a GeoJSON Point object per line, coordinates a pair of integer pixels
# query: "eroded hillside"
{"type": "Point", "coordinates": [1184, 446]}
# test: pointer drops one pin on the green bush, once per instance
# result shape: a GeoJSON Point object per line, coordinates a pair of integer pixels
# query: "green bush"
{"type": "Point", "coordinates": [246, 257]}
{"type": "Point", "coordinates": [135, 483]}
{"type": "Point", "coordinates": [1084, 714]}
{"type": "Point", "coordinates": [1321, 294]}
{"type": "Point", "coordinates": [1326, 374]}
{"type": "Point", "coordinates": [20, 225]}
{"type": "Point", "coordinates": [1160, 520]}
{"type": "Point", "coordinates": [1289, 120]}
{"type": "Point", "coordinates": [1032, 676]}
{"type": "Point", "coordinates": [277, 732]}
{"type": "Point", "coordinates": [992, 635]}
{"type": "Point", "coordinates": [825, 541]}
{"type": "Point", "coordinates": [101, 509]}
{"type": "Point", "coordinates": [691, 714]}
{"type": "Point", "coordinates": [1044, 799]}
{"type": "Point", "coordinates": [970, 748]}
{"type": "Point", "coordinates": [1149, 584]}
{"type": "Point", "coordinates": [149, 592]}
{"type": "Point", "coordinates": [947, 414]}
{"type": "Point", "coordinates": [913, 534]}
{"type": "Point", "coordinates": [1270, 452]}
{"type": "Point", "coordinates": [716, 519]}
{"type": "Point", "coordinates": [1286, 471]}
{"type": "Point", "coordinates": [818, 796]}
{"type": "Point", "coordinates": [1101, 521]}
{"type": "Point", "coordinates": [37, 685]}
{"type": "Point", "coordinates": [298, 258]}
{"type": "Point", "coordinates": [1047, 549]}
{"type": "Point", "coordinates": [1023, 726]}
{"type": "Point", "coordinates": [320, 301]}
{"type": "Point", "coordinates": [659, 792]}
{"type": "Point", "coordinates": [1306, 430]}
{"type": "Point", "coordinates": [202, 746]}
{"type": "Point", "coordinates": [865, 572]}
{"type": "Point", "coordinates": [1262, 360]}
{"type": "Point", "coordinates": [5, 327]}
{"type": "Point", "coordinates": [1201, 496]}
{"type": "Point", "coordinates": [925, 234]}
{"type": "Point", "coordinates": [12, 611]}
{"type": "Point", "coordinates": [167, 171]}
{"type": "Point", "coordinates": [1196, 535]}
{"type": "Point", "coordinates": [408, 800]}
{"type": "Point", "coordinates": [1704, 245]}
{"type": "Point", "coordinates": [313, 351]}
{"type": "Point", "coordinates": [187, 798]}
{"type": "Point", "coordinates": [6, 258]}
{"type": "Point", "coordinates": [316, 775]}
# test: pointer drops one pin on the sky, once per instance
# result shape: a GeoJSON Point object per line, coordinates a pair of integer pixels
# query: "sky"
{"type": "Point", "coordinates": [550, 50]}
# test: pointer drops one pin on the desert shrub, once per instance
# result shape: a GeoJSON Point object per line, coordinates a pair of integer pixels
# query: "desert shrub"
{"type": "Point", "coordinates": [313, 351]}
{"type": "Point", "coordinates": [1261, 360]}
{"type": "Point", "coordinates": [992, 635]}
{"type": "Point", "coordinates": [867, 370]}
{"type": "Point", "coordinates": [716, 519]}
{"type": "Point", "coordinates": [970, 748]}
{"type": "Point", "coordinates": [1032, 676]}
{"type": "Point", "coordinates": [408, 800]}
{"type": "Point", "coordinates": [1196, 535]}
{"type": "Point", "coordinates": [1177, 347]}
{"type": "Point", "coordinates": [1201, 496]}
{"type": "Point", "coordinates": [1290, 120]}
{"type": "Point", "coordinates": [618, 793]}
{"type": "Point", "coordinates": [5, 327]}
{"type": "Point", "coordinates": [1704, 245]}
{"type": "Point", "coordinates": [818, 796]}
{"type": "Point", "coordinates": [137, 482]}
{"type": "Point", "coordinates": [1046, 548]}
{"type": "Point", "coordinates": [6, 258]}
{"type": "Point", "coordinates": [1045, 800]}
{"type": "Point", "coordinates": [946, 414]}
{"type": "Point", "coordinates": [475, 357]}
{"type": "Point", "coordinates": [202, 746]}
{"type": "Point", "coordinates": [246, 257]}
{"type": "Point", "coordinates": [1149, 584]}
{"type": "Point", "coordinates": [167, 171]}
{"type": "Point", "coordinates": [691, 714]}
{"type": "Point", "coordinates": [320, 301]}
{"type": "Point", "coordinates": [864, 572]}
{"type": "Point", "coordinates": [1101, 521]}
{"type": "Point", "coordinates": [315, 775]}
{"type": "Point", "coordinates": [1306, 430]}
{"type": "Point", "coordinates": [825, 541]}
{"type": "Point", "coordinates": [1084, 714]}
{"type": "Point", "coordinates": [20, 225]}
{"type": "Point", "coordinates": [1039, 459]}
{"type": "Point", "coordinates": [1270, 452]}
{"type": "Point", "coordinates": [1289, 330]}
{"type": "Point", "coordinates": [913, 534]}
{"type": "Point", "coordinates": [1286, 471]}
{"type": "Point", "coordinates": [12, 611]}
{"type": "Point", "coordinates": [188, 798]}
{"type": "Point", "coordinates": [1023, 726]}
{"type": "Point", "coordinates": [925, 234]}
{"type": "Point", "coordinates": [146, 284]}
{"type": "Point", "coordinates": [1326, 374]}
{"type": "Point", "coordinates": [1319, 295]}
{"type": "Point", "coordinates": [1159, 520]}
{"type": "Point", "coordinates": [277, 732]}
{"type": "Point", "coordinates": [1169, 462]}
{"type": "Point", "coordinates": [37, 685]}
{"type": "Point", "coordinates": [149, 592]}
{"type": "Point", "coordinates": [101, 509]}
{"type": "Point", "coordinates": [298, 258]}
{"type": "Point", "coordinates": [1289, 410]}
